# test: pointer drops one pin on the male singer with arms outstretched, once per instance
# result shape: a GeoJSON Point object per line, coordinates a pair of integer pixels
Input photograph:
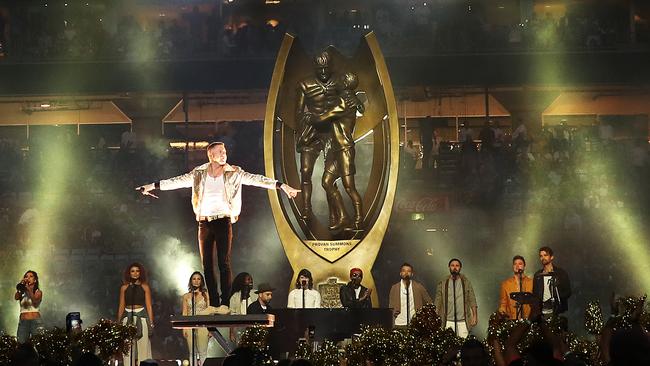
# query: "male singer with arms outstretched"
{"type": "Point", "coordinates": [216, 200]}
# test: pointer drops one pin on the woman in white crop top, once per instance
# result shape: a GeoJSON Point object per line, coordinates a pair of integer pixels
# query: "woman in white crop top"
{"type": "Point", "coordinates": [30, 296]}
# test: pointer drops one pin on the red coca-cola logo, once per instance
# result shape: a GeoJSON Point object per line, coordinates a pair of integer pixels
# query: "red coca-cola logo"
{"type": "Point", "coordinates": [423, 204]}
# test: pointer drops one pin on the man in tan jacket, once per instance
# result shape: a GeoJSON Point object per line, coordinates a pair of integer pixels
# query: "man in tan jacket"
{"type": "Point", "coordinates": [407, 296]}
{"type": "Point", "coordinates": [507, 305]}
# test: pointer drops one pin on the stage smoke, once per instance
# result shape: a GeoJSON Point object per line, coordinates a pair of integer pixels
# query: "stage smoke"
{"type": "Point", "coordinates": [174, 263]}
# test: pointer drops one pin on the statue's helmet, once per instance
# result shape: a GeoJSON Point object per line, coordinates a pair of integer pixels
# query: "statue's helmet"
{"type": "Point", "coordinates": [322, 60]}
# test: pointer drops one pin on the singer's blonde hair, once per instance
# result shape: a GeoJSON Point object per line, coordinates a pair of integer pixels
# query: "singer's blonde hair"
{"type": "Point", "coordinates": [213, 144]}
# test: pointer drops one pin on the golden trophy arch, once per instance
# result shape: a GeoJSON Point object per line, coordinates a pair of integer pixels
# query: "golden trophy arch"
{"type": "Point", "coordinates": [318, 109]}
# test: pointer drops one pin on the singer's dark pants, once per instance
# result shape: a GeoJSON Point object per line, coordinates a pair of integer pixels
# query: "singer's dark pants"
{"type": "Point", "coordinates": [215, 240]}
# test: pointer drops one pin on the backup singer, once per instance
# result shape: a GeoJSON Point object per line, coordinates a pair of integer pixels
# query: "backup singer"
{"type": "Point", "coordinates": [196, 289]}
{"type": "Point", "coordinates": [407, 296]}
{"type": "Point", "coordinates": [30, 297]}
{"type": "Point", "coordinates": [242, 296]}
{"type": "Point", "coordinates": [507, 305]}
{"type": "Point", "coordinates": [216, 200]}
{"type": "Point", "coordinates": [304, 296]}
{"type": "Point", "coordinates": [456, 302]}
{"type": "Point", "coordinates": [135, 309]}
{"type": "Point", "coordinates": [354, 295]}
{"type": "Point", "coordinates": [264, 296]}
{"type": "Point", "coordinates": [551, 285]}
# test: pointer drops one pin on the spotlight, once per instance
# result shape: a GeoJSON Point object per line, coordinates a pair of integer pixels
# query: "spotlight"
{"type": "Point", "coordinates": [46, 105]}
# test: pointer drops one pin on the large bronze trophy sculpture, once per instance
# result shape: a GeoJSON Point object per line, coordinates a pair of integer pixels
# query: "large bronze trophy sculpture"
{"type": "Point", "coordinates": [319, 112]}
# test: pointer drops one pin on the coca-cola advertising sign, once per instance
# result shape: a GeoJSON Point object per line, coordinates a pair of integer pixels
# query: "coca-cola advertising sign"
{"type": "Point", "coordinates": [423, 203]}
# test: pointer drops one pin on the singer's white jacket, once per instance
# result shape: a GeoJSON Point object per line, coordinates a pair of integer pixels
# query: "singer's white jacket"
{"type": "Point", "coordinates": [234, 178]}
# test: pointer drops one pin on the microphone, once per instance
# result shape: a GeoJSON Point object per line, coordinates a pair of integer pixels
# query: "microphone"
{"type": "Point", "coordinates": [21, 287]}
{"type": "Point", "coordinates": [520, 271]}
{"type": "Point", "coordinates": [303, 283]}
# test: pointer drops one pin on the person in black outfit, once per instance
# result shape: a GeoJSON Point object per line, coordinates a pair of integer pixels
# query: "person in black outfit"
{"type": "Point", "coordinates": [551, 285]}
{"type": "Point", "coordinates": [135, 308]}
{"type": "Point", "coordinates": [354, 295]}
{"type": "Point", "coordinates": [263, 304]}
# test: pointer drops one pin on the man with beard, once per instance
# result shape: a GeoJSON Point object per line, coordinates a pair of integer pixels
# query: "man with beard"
{"type": "Point", "coordinates": [551, 285]}
{"type": "Point", "coordinates": [407, 296]}
{"type": "Point", "coordinates": [455, 301]}
{"type": "Point", "coordinates": [354, 295]}
{"type": "Point", "coordinates": [263, 304]}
